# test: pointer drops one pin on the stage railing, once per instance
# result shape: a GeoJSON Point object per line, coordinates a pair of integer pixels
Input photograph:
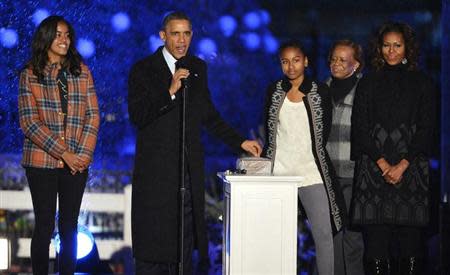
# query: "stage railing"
{"type": "Point", "coordinates": [92, 202]}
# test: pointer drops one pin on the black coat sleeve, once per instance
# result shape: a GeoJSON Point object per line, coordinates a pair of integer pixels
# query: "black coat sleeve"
{"type": "Point", "coordinates": [361, 141]}
{"type": "Point", "coordinates": [425, 120]}
{"type": "Point", "coordinates": [148, 98]}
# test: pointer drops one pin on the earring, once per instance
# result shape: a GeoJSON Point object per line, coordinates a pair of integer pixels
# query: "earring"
{"type": "Point", "coordinates": [404, 61]}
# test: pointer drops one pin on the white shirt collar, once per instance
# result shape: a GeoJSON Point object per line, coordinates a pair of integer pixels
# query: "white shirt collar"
{"type": "Point", "coordinates": [170, 60]}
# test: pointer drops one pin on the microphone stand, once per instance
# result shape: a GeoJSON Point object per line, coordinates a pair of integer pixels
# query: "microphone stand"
{"type": "Point", "coordinates": [183, 173]}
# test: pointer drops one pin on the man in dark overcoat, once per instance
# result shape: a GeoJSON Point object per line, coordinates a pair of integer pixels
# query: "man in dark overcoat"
{"type": "Point", "coordinates": [154, 104]}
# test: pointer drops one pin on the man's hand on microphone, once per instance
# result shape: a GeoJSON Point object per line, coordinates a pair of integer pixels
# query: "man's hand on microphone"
{"type": "Point", "coordinates": [175, 85]}
{"type": "Point", "coordinates": [252, 146]}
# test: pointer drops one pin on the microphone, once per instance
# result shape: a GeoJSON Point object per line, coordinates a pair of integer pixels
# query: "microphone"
{"type": "Point", "coordinates": [183, 62]}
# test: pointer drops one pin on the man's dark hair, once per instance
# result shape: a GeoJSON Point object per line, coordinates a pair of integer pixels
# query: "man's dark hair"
{"type": "Point", "coordinates": [175, 15]}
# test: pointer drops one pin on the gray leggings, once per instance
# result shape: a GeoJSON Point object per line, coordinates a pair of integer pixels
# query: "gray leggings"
{"type": "Point", "coordinates": [315, 202]}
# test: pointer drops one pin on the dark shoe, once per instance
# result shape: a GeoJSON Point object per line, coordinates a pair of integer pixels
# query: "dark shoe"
{"type": "Point", "coordinates": [378, 267]}
{"type": "Point", "coordinates": [410, 266]}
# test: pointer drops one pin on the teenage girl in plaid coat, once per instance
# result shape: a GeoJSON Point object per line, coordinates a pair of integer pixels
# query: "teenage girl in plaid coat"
{"type": "Point", "coordinates": [59, 117]}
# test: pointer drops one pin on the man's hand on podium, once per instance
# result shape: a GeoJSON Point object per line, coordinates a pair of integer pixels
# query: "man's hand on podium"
{"type": "Point", "coordinates": [252, 146]}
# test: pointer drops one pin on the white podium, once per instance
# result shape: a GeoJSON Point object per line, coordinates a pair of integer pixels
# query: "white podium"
{"type": "Point", "coordinates": [260, 224]}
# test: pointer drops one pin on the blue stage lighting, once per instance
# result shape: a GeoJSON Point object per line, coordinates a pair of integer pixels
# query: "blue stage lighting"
{"type": "Point", "coordinates": [252, 20]}
{"type": "Point", "coordinates": [207, 47]}
{"type": "Point", "coordinates": [85, 241]}
{"type": "Point", "coordinates": [434, 164]}
{"type": "Point", "coordinates": [8, 37]}
{"type": "Point", "coordinates": [436, 36]}
{"type": "Point", "coordinates": [423, 17]}
{"type": "Point", "coordinates": [86, 47]}
{"type": "Point", "coordinates": [120, 22]}
{"type": "Point", "coordinates": [155, 42]}
{"type": "Point", "coordinates": [251, 40]}
{"type": "Point", "coordinates": [265, 16]}
{"type": "Point", "coordinates": [129, 147]}
{"type": "Point", "coordinates": [270, 43]}
{"type": "Point", "coordinates": [39, 15]}
{"type": "Point", "coordinates": [227, 24]}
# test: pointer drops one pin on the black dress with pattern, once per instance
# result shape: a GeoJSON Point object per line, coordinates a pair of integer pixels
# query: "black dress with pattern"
{"type": "Point", "coordinates": [394, 116]}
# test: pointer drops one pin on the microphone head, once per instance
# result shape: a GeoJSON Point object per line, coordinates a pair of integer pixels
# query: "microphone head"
{"type": "Point", "coordinates": [183, 62]}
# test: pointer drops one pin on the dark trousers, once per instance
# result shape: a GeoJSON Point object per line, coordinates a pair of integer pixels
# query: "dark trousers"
{"type": "Point", "coordinates": [152, 268]}
{"type": "Point", "coordinates": [387, 241]}
{"type": "Point", "coordinates": [348, 243]}
{"type": "Point", "coordinates": [45, 186]}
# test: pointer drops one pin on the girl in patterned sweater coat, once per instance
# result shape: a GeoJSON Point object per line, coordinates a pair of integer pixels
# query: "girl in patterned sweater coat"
{"type": "Point", "coordinates": [298, 121]}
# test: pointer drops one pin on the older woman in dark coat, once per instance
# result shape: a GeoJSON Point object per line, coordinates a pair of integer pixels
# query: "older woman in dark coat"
{"type": "Point", "coordinates": [393, 121]}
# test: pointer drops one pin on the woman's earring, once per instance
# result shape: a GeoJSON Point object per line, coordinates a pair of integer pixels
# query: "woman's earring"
{"type": "Point", "coordinates": [404, 61]}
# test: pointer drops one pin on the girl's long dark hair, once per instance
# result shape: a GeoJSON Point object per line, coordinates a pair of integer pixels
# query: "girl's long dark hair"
{"type": "Point", "coordinates": [42, 40]}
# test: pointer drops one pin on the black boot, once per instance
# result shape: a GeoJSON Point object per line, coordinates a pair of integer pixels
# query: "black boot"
{"type": "Point", "coordinates": [378, 267]}
{"type": "Point", "coordinates": [410, 266]}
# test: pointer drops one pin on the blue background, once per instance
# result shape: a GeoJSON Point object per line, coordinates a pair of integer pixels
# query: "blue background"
{"type": "Point", "coordinates": [237, 39]}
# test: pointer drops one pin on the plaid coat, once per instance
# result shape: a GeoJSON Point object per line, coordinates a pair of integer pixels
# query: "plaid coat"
{"type": "Point", "coordinates": [42, 120]}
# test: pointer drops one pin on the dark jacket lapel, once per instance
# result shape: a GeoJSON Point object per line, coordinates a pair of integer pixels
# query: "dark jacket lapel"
{"type": "Point", "coordinates": [161, 68]}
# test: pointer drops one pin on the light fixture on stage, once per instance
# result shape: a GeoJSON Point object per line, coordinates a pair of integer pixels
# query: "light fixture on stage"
{"type": "Point", "coordinates": [86, 47]}
{"type": "Point", "coordinates": [207, 47]}
{"type": "Point", "coordinates": [155, 42]}
{"type": "Point", "coordinates": [8, 37]}
{"type": "Point", "coordinates": [5, 253]}
{"type": "Point", "coordinates": [270, 43]}
{"type": "Point", "coordinates": [88, 259]}
{"type": "Point", "coordinates": [252, 20]}
{"type": "Point", "coordinates": [228, 25]}
{"type": "Point", "coordinates": [120, 22]}
{"type": "Point", "coordinates": [39, 15]}
{"type": "Point", "coordinates": [434, 164]}
{"type": "Point", "coordinates": [265, 16]}
{"type": "Point", "coordinates": [251, 40]}
{"type": "Point", "coordinates": [85, 241]}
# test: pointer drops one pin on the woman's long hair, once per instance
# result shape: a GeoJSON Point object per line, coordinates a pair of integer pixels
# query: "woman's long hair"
{"type": "Point", "coordinates": [411, 45]}
{"type": "Point", "coordinates": [42, 41]}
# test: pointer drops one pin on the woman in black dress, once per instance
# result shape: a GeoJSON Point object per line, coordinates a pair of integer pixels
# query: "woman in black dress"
{"type": "Point", "coordinates": [392, 128]}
